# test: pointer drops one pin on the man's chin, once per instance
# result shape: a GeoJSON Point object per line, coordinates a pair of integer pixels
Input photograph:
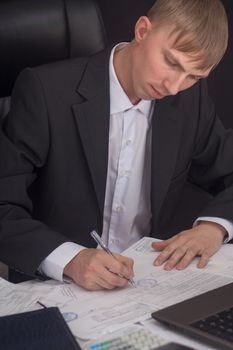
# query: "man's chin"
{"type": "Point", "coordinates": [157, 97]}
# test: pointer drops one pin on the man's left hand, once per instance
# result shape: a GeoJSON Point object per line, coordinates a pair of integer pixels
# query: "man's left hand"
{"type": "Point", "coordinates": [203, 240]}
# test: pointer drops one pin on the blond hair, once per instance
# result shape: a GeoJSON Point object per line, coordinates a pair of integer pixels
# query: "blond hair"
{"type": "Point", "coordinates": [200, 26]}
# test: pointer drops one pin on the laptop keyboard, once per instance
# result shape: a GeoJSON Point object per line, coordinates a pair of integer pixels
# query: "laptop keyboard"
{"type": "Point", "coordinates": [219, 324]}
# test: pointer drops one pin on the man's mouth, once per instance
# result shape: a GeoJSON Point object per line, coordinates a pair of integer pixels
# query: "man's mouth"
{"type": "Point", "coordinates": [157, 93]}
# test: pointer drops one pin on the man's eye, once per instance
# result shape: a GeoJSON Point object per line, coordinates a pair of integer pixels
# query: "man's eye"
{"type": "Point", "coordinates": [171, 63]}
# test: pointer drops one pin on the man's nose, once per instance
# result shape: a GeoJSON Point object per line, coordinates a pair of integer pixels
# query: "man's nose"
{"type": "Point", "coordinates": [174, 84]}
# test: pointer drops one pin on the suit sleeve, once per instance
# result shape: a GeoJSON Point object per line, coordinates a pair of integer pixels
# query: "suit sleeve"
{"type": "Point", "coordinates": [24, 147]}
{"type": "Point", "coordinates": [212, 163]}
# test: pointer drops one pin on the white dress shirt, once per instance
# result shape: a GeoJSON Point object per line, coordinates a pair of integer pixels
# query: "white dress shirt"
{"type": "Point", "coordinates": [127, 212]}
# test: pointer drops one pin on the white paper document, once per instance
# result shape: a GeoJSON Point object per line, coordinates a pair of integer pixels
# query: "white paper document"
{"type": "Point", "coordinates": [93, 314]}
{"type": "Point", "coordinates": [15, 298]}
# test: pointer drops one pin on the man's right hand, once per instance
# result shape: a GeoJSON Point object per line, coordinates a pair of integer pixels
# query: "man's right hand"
{"type": "Point", "coordinates": [94, 269]}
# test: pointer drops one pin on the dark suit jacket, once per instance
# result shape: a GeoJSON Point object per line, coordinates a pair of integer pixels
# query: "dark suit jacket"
{"type": "Point", "coordinates": [54, 152]}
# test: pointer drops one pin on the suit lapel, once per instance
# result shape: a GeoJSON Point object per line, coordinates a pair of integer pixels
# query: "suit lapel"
{"type": "Point", "coordinates": [92, 120]}
{"type": "Point", "coordinates": [166, 128]}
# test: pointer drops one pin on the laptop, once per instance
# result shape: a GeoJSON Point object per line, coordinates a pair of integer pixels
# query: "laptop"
{"type": "Point", "coordinates": [207, 317]}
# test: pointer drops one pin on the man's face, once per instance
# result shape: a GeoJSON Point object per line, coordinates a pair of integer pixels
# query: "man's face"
{"type": "Point", "coordinates": [158, 69]}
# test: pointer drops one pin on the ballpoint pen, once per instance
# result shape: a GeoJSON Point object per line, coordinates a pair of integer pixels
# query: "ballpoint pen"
{"type": "Point", "coordinates": [99, 241]}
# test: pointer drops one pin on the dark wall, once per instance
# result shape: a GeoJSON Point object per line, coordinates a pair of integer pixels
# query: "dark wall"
{"type": "Point", "coordinates": [120, 17]}
{"type": "Point", "coordinates": [221, 79]}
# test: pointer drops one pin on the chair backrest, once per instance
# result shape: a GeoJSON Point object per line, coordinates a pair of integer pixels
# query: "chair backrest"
{"type": "Point", "coordinates": [34, 32]}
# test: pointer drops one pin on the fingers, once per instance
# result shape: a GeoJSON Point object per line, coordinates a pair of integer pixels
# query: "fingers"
{"type": "Point", "coordinates": [172, 252]}
{"type": "Point", "coordinates": [94, 269]}
{"type": "Point", "coordinates": [202, 240]}
{"type": "Point", "coordinates": [186, 259]}
{"type": "Point", "coordinates": [180, 251]}
{"type": "Point", "coordinates": [179, 257]}
{"type": "Point", "coordinates": [161, 244]}
{"type": "Point", "coordinates": [103, 280]}
{"type": "Point", "coordinates": [125, 267]}
{"type": "Point", "coordinates": [203, 261]}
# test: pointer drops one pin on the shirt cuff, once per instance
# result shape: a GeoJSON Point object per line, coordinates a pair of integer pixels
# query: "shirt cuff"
{"type": "Point", "coordinates": [54, 264]}
{"type": "Point", "coordinates": [227, 224]}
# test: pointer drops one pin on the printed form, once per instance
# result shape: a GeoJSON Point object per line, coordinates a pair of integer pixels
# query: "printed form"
{"type": "Point", "coordinates": [94, 314]}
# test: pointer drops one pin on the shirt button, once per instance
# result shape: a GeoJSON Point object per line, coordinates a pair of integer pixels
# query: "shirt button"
{"type": "Point", "coordinates": [128, 142]}
{"type": "Point", "coordinates": [118, 209]}
{"type": "Point", "coordinates": [115, 241]}
{"type": "Point", "coordinates": [124, 173]}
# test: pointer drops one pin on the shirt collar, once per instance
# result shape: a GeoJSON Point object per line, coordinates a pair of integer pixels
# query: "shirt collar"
{"type": "Point", "coordinates": [119, 101]}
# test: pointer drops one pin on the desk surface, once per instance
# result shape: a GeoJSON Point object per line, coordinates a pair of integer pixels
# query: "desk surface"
{"type": "Point", "coordinates": [117, 309]}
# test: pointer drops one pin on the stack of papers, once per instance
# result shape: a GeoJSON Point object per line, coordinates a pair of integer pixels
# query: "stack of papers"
{"type": "Point", "coordinates": [100, 312]}
{"type": "Point", "coordinates": [94, 314]}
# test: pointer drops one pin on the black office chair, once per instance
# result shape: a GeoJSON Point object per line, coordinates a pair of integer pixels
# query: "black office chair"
{"type": "Point", "coordinates": [34, 32]}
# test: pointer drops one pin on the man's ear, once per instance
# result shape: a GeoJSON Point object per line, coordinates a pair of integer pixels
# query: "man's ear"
{"type": "Point", "coordinates": [142, 28]}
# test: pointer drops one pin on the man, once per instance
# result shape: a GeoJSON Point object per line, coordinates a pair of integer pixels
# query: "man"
{"type": "Point", "coordinates": [107, 142]}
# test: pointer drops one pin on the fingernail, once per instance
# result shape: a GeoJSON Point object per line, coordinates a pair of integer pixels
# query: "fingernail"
{"type": "Point", "coordinates": [201, 266]}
